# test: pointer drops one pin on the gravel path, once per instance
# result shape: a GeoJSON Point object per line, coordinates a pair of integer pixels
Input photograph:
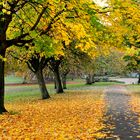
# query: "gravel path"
{"type": "Point", "coordinates": [119, 114]}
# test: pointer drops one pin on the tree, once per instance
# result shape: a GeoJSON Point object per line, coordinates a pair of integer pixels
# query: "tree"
{"type": "Point", "coordinates": [129, 12]}
{"type": "Point", "coordinates": [62, 21]}
{"type": "Point", "coordinates": [66, 25]}
{"type": "Point", "coordinates": [53, 17]}
{"type": "Point", "coordinates": [69, 62]}
{"type": "Point", "coordinates": [122, 22]}
{"type": "Point", "coordinates": [35, 59]}
{"type": "Point", "coordinates": [37, 65]}
{"type": "Point", "coordinates": [54, 66]}
{"type": "Point", "coordinates": [88, 68]}
{"type": "Point", "coordinates": [9, 17]}
{"type": "Point", "coordinates": [132, 57]}
{"type": "Point", "coordinates": [111, 64]}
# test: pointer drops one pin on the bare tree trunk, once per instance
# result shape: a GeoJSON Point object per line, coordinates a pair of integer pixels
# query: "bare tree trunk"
{"type": "Point", "coordinates": [54, 83]}
{"type": "Point", "coordinates": [93, 80]}
{"type": "Point", "coordinates": [2, 92]}
{"type": "Point", "coordinates": [59, 88]}
{"type": "Point", "coordinates": [139, 79]}
{"type": "Point", "coordinates": [89, 79]}
{"type": "Point", "coordinates": [42, 85]}
{"type": "Point", "coordinates": [24, 80]}
{"type": "Point", "coordinates": [64, 81]}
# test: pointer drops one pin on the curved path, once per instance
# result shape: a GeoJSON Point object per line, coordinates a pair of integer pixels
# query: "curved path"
{"type": "Point", "coordinates": [119, 115]}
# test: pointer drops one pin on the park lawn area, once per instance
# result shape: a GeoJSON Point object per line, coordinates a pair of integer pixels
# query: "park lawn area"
{"type": "Point", "coordinates": [134, 88]}
{"type": "Point", "coordinates": [94, 84]}
{"type": "Point", "coordinates": [31, 91]}
{"type": "Point", "coordinates": [76, 114]}
{"type": "Point", "coordinates": [23, 92]}
{"type": "Point", "coordinates": [13, 79]}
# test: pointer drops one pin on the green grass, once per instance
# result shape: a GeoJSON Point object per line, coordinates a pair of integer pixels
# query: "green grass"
{"type": "Point", "coordinates": [32, 92]}
{"type": "Point", "coordinates": [14, 93]}
{"type": "Point", "coordinates": [134, 88]}
{"type": "Point", "coordinates": [13, 79]}
{"type": "Point", "coordinates": [99, 85]}
{"type": "Point", "coordinates": [107, 83]}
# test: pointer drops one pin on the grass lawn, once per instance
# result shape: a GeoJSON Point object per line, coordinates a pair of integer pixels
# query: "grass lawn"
{"type": "Point", "coordinates": [134, 88]}
{"type": "Point", "coordinates": [31, 92]}
{"type": "Point", "coordinates": [13, 79]}
{"type": "Point", "coordinates": [23, 92]}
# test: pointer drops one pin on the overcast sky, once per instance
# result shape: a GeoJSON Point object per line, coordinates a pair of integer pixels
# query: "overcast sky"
{"type": "Point", "coordinates": [102, 3]}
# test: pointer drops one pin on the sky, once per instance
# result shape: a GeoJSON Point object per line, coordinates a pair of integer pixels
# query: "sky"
{"type": "Point", "coordinates": [102, 3]}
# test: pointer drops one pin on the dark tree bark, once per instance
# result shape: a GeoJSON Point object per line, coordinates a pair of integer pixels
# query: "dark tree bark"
{"type": "Point", "coordinates": [139, 79]}
{"type": "Point", "coordinates": [93, 80]}
{"type": "Point", "coordinates": [24, 80]}
{"type": "Point", "coordinates": [59, 88]}
{"type": "Point", "coordinates": [89, 79]}
{"type": "Point", "coordinates": [54, 66]}
{"type": "Point", "coordinates": [2, 108]}
{"type": "Point", "coordinates": [36, 65]}
{"type": "Point", "coordinates": [4, 23]}
{"type": "Point", "coordinates": [64, 79]}
{"type": "Point", "coordinates": [42, 85]}
{"type": "Point", "coordinates": [54, 84]}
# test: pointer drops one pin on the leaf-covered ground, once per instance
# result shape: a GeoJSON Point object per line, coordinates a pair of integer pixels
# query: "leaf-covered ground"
{"type": "Point", "coordinates": [135, 106]}
{"type": "Point", "coordinates": [72, 116]}
{"type": "Point", "coordinates": [87, 114]}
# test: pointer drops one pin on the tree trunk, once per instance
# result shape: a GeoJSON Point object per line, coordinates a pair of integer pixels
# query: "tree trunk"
{"type": "Point", "coordinates": [89, 79]}
{"type": "Point", "coordinates": [42, 85]}
{"type": "Point", "coordinates": [139, 79]}
{"type": "Point", "coordinates": [2, 108]}
{"type": "Point", "coordinates": [93, 80]}
{"type": "Point", "coordinates": [24, 80]}
{"type": "Point", "coordinates": [59, 88]}
{"type": "Point", "coordinates": [64, 81]}
{"type": "Point", "coordinates": [54, 83]}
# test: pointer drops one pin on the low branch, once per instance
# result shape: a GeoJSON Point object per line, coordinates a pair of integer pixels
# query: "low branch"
{"type": "Point", "coordinates": [19, 40]}
{"type": "Point", "coordinates": [30, 67]}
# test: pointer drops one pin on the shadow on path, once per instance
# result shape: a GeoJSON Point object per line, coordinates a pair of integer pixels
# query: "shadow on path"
{"type": "Point", "coordinates": [119, 115]}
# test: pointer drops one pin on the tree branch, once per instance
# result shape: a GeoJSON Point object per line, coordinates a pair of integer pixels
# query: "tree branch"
{"type": "Point", "coordinates": [38, 19]}
{"type": "Point", "coordinates": [19, 40]}
{"type": "Point", "coordinates": [52, 21]}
